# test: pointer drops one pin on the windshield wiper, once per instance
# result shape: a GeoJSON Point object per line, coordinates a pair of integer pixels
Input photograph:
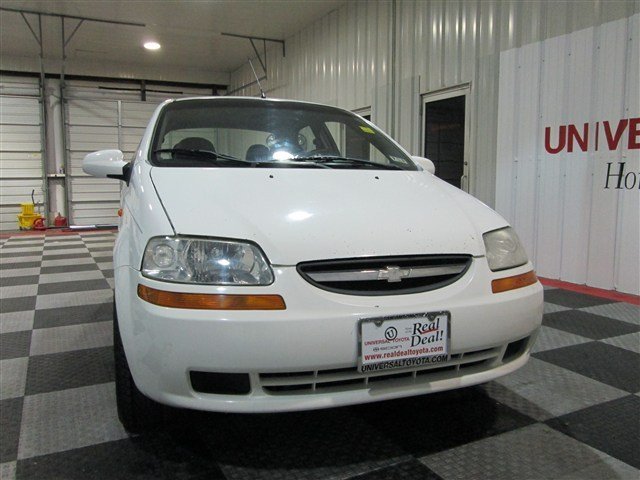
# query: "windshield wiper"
{"type": "Point", "coordinates": [205, 154]}
{"type": "Point", "coordinates": [326, 159]}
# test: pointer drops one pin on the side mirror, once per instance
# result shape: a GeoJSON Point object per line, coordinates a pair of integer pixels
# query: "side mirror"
{"type": "Point", "coordinates": [425, 164]}
{"type": "Point", "coordinates": [107, 164]}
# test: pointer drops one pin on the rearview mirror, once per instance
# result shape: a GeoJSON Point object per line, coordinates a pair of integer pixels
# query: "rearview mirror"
{"type": "Point", "coordinates": [107, 164]}
{"type": "Point", "coordinates": [425, 164]}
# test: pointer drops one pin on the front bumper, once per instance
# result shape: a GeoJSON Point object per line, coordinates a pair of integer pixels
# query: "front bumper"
{"type": "Point", "coordinates": [304, 357]}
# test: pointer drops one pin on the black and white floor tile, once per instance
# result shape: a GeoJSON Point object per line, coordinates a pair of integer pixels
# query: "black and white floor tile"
{"type": "Point", "coordinates": [572, 412]}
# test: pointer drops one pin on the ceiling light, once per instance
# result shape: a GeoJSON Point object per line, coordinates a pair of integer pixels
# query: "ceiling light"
{"type": "Point", "coordinates": [152, 45]}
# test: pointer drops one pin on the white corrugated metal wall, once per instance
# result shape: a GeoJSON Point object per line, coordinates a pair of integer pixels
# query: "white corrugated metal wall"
{"type": "Point", "coordinates": [21, 168]}
{"type": "Point", "coordinates": [352, 56]}
{"type": "Point", "coordinates": [390, 53]}
{"type": "Point", "coordinates": [96, 119]}
{"type": "Point", "coordinates": [91, 125]}
{"type": "Point", "coordinates": [97, 115]}
{"type": "Point", "coordinates": [343, 59]}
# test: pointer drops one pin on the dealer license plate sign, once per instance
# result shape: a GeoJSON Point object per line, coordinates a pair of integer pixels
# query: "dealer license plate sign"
{"type": "Point", "coordinates": [404, 341]}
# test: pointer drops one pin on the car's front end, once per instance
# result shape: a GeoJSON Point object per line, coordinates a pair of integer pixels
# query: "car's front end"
{"type": "Point", "coordinates": [322, 268]}
{"type": "Point", "coordinates": [306, 354]}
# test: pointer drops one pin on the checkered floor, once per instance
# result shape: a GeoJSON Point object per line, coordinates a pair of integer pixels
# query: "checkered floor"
{"type": "Point", "coordinates": [572, 412]}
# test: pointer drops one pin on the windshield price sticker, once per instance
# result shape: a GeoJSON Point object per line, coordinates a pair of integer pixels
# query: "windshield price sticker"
{"type": "Point", "coordinates": [407, 341]}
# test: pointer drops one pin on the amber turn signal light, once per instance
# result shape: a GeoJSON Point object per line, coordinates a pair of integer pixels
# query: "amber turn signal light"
{"type": "Point", "coordinates": [511, 283]}
{"type": "Point", "coordinates": [206, 301]}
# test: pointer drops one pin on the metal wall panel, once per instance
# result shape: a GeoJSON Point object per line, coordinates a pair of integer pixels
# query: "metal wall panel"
{"type": "Point", "coordinates": [93, 112]}
{"type": "Point", "coordinates": [19, 86]}
{"type": "Point", "coordinates": [525, 179]}
{"type": "Point", "coordinates": [93, 119]}
{"type": "Point", "coordinates": [91, 124]}
{"type": "Point", "coordinates": [21, 138]}
{"type": "Point", "coordinates": [551, 194]}
{"type": "Point", "coordinates": [21, 167]}
{"type": "Point", "coordinates": [105, 118]}
{"type": "Point", "coordinates": [21, 164]}
{"type": "Point", "coordinates": [134, 119]}
{"type": "Point", "coordinates": [627, 272]}
{"type": "Point", "coordinates": [137, 114]}
{"type": "Point", "coordinates": [576, 193]}
{"type": "Point", "coordinates": [15, 111]}
{"type": "Point", "coordinates": [87, 138]}
{"type": "Point", "coordinates": [97, 116]}
{"type": "Point", "coordinates": [342, 59]}
{"type": "Point", "coordinates": [608, 101]}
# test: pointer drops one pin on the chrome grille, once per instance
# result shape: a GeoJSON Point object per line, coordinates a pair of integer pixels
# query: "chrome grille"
{"type": "Point", "coordinates": [385, 275]}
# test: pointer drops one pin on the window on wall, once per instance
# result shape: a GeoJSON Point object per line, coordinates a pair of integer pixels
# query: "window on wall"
{"type": "Point", "coordinates": [444, 137]}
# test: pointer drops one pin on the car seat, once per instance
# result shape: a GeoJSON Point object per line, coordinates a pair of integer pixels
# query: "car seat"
{"type": "Point", "coordinates": [195, 143]}
{"type": "Point", "coordinates": [258, 153]}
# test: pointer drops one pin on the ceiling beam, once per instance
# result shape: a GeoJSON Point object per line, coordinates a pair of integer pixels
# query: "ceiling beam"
{"type": "Point", "coordinates": [263, 39]}
{"type": "Point", "coordinates": [75, 17]}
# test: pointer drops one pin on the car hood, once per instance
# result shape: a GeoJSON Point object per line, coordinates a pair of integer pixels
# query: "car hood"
{"type": "Point", "coordinates": [299, 214]}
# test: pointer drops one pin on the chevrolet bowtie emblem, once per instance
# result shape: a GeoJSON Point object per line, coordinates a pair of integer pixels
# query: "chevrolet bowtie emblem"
{"type": "Point", "coordinates": [392, 274]}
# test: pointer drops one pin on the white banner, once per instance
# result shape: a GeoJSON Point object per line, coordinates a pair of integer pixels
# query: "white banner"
{"type": "Point", "coordinates": [568, 156]}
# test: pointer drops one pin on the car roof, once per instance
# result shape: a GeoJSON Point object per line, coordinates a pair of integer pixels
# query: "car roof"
{"type": "Point", "coordinates": [255, 100]}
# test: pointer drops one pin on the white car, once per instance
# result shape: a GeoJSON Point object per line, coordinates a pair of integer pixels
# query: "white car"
{"type": "Point", "coordinates": [279, 255]}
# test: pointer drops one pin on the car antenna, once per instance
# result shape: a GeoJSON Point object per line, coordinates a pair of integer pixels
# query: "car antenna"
{"type": "Point", "coordinates": [262, 94]}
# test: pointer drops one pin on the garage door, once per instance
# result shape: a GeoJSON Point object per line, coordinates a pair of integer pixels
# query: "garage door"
{"type": "Point", "coordinates": [21, 169]}
{"type": "Point", "coordinates": [97, 118]}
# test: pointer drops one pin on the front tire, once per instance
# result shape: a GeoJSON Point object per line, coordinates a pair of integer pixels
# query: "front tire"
{"type": "Point", "coordinates": [136, 412]}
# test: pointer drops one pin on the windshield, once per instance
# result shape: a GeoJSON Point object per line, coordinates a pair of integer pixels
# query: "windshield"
{"type": "Point", "coordinates": [243, 133]}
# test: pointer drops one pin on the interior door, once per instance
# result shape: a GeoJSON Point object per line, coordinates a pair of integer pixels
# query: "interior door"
{"type": "Point", "coordinates": [445, 134]}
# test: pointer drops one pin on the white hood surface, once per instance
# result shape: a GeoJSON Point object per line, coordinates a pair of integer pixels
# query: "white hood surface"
{"type": "Point", "coordinates": [297, 214]}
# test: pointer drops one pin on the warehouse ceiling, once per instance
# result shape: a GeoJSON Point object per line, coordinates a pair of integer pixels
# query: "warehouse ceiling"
{"type": "Point", "coordinates": [189, 31]}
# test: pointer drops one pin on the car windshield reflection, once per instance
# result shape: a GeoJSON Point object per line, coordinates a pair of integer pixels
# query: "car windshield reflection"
{"type": "Point", "coordinates": [243, 133]}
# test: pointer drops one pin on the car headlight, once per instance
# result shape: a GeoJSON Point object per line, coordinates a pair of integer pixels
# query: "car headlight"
{"type": "Point", "coordinates": [504, 249]}
{"type": "Point", "coordinates": [205, 261]}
